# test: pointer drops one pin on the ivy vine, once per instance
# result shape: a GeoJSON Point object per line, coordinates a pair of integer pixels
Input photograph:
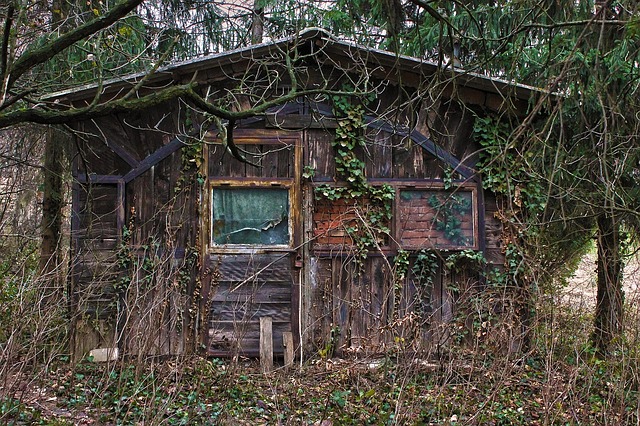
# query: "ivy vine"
{"type": "Point", "coordinates": [192, 163]}
{"type": "Point", "coordinates": [450, 208]}
{"type": "Point", "coordinates": [401, 268]}
{"type": "Point", "coordinates": [424, 270]}
{"type": "Point", "coordinates": [504, 170]}
{"type": "Point", "coordinates": [379, 199]}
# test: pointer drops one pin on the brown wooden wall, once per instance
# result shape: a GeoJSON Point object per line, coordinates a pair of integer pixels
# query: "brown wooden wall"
{"type": "Point", "coordinates": [144, 220]}
{"type": "Point", "coordinates": [134, 237]}
{"type": "Point", "coordinates": [248, 283]}
{"type": "Point", "coordinates": [362, 308]}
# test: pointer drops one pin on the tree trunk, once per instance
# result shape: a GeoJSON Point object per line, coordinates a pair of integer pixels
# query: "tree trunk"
{"type": "Point", "coordinates": [257, 22]}
{"type": "Point", "coordinates": [609, 299]}
{"type": "Point", "coordinates": [52, 198]}
{"type": "Point", "coordinates": [52, 205]}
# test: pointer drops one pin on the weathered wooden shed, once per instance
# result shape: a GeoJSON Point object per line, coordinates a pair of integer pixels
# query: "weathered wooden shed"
{"type": "Point", "coordinates": [336, 225]}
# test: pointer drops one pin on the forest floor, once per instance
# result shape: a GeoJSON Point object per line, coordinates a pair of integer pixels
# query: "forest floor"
{"type": "Point", "coordinates": [581, 287]}
{"type": "Point", "coordinates": [559, 381]}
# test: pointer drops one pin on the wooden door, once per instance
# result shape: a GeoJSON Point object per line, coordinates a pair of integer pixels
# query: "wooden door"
{"type": "Point", "coordinates": [253, 231]}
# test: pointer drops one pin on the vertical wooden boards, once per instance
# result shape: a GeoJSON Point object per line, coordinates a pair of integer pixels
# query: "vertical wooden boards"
{"type": "Point", "coordinates": [96, 244]}
{"type": "Point", "coordinates": [95, 269]}
{"type": "Point", "coordinates": [493, 232]}
{"type": "Point", "coordinates": [273, 159]}
{"type": "Point", "coordinates": [368, 313]}
{"type": "Point", "coordinates": [319, 312]}
{"type": "Point", "coordinates": [347, 306]}
{"type": "Point", "coordinates": [378, 164]}
{"type": "Point", "coordinates": [320, 156]}
{"type": "Point", "coordinates": [162, 217]}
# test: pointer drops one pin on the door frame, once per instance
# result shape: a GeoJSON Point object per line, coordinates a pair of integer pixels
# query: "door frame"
{"type": "Point", "coordinates": [250, 136]}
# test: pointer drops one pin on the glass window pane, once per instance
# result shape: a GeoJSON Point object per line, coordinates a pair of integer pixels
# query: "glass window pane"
{"type": "Point", "coordinates": [250, 216]}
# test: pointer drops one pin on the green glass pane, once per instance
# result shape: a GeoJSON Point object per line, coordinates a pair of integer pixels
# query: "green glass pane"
{"type": "Point", "coordinates": [251, 216]}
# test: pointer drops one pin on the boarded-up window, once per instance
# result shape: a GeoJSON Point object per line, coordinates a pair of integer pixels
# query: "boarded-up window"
{"type": "Point", "coordinates": [338, 222]}
{"type": "Point", "coordinates": [250, 216]}
{"type": "Point", "coordinates": [436, 218]}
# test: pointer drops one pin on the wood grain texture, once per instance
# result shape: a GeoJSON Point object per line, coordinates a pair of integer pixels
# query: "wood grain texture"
{"type": "Point", "coordinates": [266, 344]}
{"type": "Point", "coordinates": [250, 287]}
{"type": "Point", "coordinates": [287, 343]}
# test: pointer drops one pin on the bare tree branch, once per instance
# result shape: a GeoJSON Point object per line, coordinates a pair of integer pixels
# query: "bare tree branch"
{"type": "Point", "coordinates": [38, 55]}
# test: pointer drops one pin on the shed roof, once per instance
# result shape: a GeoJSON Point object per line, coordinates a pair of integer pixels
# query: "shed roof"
{"type": "Point", "coordinates": [388, 63]}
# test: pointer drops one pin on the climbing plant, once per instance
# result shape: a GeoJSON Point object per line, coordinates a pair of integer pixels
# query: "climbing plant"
{"type": "Point", "coordinates": [372, 230]}
{"type": "Point", "coordinates": [424, 269]}
{"type": "Point", "coordinates": [450, 209]}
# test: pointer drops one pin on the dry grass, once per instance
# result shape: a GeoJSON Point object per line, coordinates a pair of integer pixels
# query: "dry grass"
{"type": "Point", "coordinates": [559, 381]}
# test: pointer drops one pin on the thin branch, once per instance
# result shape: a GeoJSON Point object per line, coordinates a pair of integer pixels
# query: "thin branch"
{"type": "Point", "coordinates": [35, 56]}
{"type": "Point", "coordinates": [431, 11]}
{"type": "Point", "coordinates": [522, 28]}
{"type": "Point", "coordinates": [585, 22]}
{"type": "Point", "coordinates": [6, 104]}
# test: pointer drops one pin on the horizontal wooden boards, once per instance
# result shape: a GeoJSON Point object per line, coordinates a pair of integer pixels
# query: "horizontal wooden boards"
{"type": "Point", "coordinates": [249, 287]}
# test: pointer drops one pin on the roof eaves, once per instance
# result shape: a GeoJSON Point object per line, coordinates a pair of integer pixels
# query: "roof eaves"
{"type": "Point", "coordinates": [168, 72]}
{"type": "Point", "coordinates": [426, 67]}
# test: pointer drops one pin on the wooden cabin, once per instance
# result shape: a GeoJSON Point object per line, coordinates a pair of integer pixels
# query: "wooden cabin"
{"type": "Point", "coordinates": [333, 210]}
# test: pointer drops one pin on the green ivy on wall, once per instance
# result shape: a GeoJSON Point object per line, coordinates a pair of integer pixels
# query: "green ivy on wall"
{"type": "Point", "coordinates": [450, 208]}
{"type": "Point", "coordinates": [370, 232]}
{"type": "Point", "coordinates": [504, 169]}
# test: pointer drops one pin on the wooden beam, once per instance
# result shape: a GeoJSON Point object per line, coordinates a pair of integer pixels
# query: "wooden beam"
{"type": "Point", "coordinates": [300, 121]}
{"type": "Point", "coordinates": [120, 205]}
{"type": "Point", "coordinates": [153, 159]}
{"type": "Point", "coordinates": [443, 155]}
{"type": "Point", "coordinates": [266, 344]}
{"type": "Point", "coordinates": [122, 153]}
{"type": "Point", "coordinates": [98, 179]}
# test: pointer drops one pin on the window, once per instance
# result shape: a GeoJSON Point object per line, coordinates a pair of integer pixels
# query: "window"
{"type": "Point", "coordinates": [436, 218]}
{"type": "Point", "coordinates": [250, 216]}
{"type": "Point", "coordinates": [423, 218]}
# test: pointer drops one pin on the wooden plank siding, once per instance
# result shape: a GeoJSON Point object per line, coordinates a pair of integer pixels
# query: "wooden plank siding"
{"type": "Point", "coordinates": [252, 281]}
{"type": "Point", "coordinates": [140, 309]}
{"type": "Point", "coordinates": [250, 287]}
{"type": "Point", "coordinates": [312, 286]}
{"type": "Point", "coordinates": [337, 304]}
{"type": "Point", "coordinates": [94, 270]}
{"type": "Point", "coordinates": [353, 309]}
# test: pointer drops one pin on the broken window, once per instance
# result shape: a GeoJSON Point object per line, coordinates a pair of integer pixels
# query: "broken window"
{"type": "Point", "coordinates": [250, 216]}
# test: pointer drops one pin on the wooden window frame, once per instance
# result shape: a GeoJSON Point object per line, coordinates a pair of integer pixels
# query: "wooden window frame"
{"type": "Point", "coordinates": [251, 136]}
{"type": "Point", "coordinates": [253, 184]}
{"type": "Point", "coordinates": [440, 187]}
